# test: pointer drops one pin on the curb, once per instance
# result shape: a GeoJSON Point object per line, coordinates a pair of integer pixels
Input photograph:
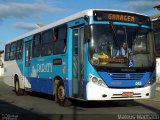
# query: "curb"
{"type": "Point", "coordinates": [153, 100]}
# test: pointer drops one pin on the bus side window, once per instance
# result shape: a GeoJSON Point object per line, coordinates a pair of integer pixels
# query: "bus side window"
{"type": "Point", "coordinates": [157, 42]}
{"type": "Point", "coordinates": [60, 39]}
{"type": "Point", "coordinates": [47, 43]}
{"type": "Point", "coordinates": [13, 51]}
{"type": "Point", "coordinates": [19, 51]}
{"type": "Point", "coordinates": [36, 46]}
{"type": "Point", "coordinates": [7, 52]}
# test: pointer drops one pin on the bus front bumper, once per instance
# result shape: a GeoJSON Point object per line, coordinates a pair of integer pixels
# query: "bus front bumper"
{"type": "Point", "coordinates": [96, 92]}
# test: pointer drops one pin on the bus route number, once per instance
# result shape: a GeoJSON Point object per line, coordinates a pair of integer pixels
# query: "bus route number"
{"type": "Point", "coordinates": [138, 83]}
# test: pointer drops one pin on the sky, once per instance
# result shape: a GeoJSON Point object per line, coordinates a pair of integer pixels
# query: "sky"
{"type": "Point", "coordinates": [20, 16]}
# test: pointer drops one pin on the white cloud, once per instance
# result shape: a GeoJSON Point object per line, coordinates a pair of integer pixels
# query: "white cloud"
{"type": "Point", "coordinates": [23, 10]}
{"type": "Point", "coordinates": [141, 5]}
{"type": "Point", "coordinates": [24, 26]}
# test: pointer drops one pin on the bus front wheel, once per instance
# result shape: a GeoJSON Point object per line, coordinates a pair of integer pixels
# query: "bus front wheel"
{"type": "Point", "coordinates": [18, 90]}
{"type": "Point", "coordinates": [61, 95]}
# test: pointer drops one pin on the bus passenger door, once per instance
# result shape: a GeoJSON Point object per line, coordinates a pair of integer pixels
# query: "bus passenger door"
{"type": "Point", "coordinates": [77, 61]}
{"type": "Point", "coordinates": [27, 58]}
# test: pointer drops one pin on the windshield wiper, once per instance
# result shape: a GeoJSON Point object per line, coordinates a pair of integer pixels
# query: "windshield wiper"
{"type": "Point", "coordinates": [126, 37]}
{"type": "Point", "coordinates": [114, 34]}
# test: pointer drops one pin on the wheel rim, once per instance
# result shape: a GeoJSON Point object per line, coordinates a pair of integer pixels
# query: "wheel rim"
{"type": "Point", "coordinates": [17, 86]}
{"type": "Point", "coordinates": [61, 93]}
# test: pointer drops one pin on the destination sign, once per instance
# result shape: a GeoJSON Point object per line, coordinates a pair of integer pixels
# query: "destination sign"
{"type": "Point", "coordinates": [120, 17]}
{"type": "Point", "coordinates": [115, 16]}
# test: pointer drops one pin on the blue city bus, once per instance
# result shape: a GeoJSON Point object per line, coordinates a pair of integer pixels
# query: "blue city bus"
{"type": "Point", "coordinates": [156, 26]}
{"type": "Point", "coordinates": [82, 57]}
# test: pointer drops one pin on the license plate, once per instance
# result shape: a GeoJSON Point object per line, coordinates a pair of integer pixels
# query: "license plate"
{"type": "Point", "coordinates": [127, 94]}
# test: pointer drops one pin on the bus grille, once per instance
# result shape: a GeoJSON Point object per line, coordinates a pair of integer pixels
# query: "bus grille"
{"type": "Point", "coordinates": [126, 76]}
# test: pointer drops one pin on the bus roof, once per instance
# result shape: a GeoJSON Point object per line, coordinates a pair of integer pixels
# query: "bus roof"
{"type": "Point", "coordinates": [80, 14]}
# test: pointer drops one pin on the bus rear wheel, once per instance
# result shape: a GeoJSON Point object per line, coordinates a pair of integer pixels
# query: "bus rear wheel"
{"type": "Point", "coordinates": [18, 90]}
{"type": "Point", "coordinates": [61, 95]}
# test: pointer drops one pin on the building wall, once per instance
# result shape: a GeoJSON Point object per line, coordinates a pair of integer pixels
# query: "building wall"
{"type": "Point", "coordinates": [1, 72]}
{"type": "Point", "coordinates": [1, 64]}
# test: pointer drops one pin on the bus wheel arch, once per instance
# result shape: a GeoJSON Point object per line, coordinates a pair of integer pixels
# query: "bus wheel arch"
{"type": "Point", "coordinates": [60, 92]}
{"type": "Point", "coordinates": [55, 83]}
{"type": "Point", "coordinates": [18, 90]}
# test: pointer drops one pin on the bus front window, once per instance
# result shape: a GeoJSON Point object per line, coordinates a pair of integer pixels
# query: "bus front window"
{"type": "Point", "coordinates": [116, 46]}
{"type": "Point", "coordinates": [157, 42]}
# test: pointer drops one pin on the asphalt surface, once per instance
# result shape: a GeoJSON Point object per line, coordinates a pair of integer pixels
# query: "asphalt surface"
{"type": "Point", "coordinates": [35, 106]}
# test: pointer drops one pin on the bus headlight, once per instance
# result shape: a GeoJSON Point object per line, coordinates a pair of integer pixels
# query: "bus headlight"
{"type": "Point", "coordinates": [151, 81]}
{"type": "Point", "coordinates": [100, 82]}
{"type": "Point", "coordinates": [96, 80]}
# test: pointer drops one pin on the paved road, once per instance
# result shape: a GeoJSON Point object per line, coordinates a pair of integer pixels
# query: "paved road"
{"type": "Point", "coordinates": [39, 106]}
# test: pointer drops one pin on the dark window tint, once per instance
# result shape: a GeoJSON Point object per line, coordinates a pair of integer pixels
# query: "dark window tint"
{"type": "Point", "coordinates": [19, 49]}
{"type": "Point", "coordinates": [36, 48]}
{"type": "Point", "coordinates": [13, 51]}
{"type": "Point", "coordinates": [47, 42]}
{"type": "Point", "coordinates": [60, 36]}
{"type": "Point", "coordinates": [7, 52]}
{"type": "Point", "coordinates": [157, 42]}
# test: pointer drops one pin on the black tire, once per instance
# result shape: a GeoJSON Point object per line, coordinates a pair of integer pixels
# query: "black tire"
{"type": "Point", "coordinates": [61, 95]}
{"type": "Point", "coordinates": [18, 90]}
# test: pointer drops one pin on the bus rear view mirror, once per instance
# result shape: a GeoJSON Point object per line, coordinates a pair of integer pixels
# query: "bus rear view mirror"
{"type": "Point", "coordinates": [87, 32]}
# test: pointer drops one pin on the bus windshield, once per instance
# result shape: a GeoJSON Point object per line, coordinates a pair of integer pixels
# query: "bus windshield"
{"type": "Point", "coordinates": [120, 46]}
{"type": "Point", "coordinates": [156, 25]}
{"type": "Point", "coordinates": [157, 42]}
